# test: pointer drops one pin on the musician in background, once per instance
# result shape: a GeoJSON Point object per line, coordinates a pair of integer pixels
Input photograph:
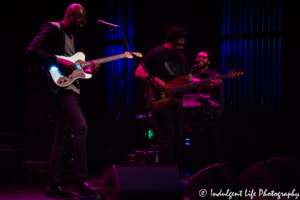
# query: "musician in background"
{"type": "Point", "coordinates": [210, 111]}
{"type": "Point", "coordinates": [57, 38]}
{"type": "Point", "coordinates": [166, 63]}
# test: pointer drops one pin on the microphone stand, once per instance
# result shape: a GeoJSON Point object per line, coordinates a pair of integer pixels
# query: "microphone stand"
{"type": "Point", "coordinates": [148, 78]}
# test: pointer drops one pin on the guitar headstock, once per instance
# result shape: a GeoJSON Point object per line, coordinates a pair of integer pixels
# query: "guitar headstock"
{"type": "Point", "coordinates": [129, 55]}
{"type": "Point", "coordinates": [235, 73]}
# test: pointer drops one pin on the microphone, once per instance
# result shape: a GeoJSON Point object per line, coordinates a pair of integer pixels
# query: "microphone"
{"type": "Point", "coordinates": [107, 24]}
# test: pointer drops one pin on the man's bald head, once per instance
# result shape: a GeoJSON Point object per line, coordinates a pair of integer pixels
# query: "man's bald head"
{"type": "Point", "coordinates": [74, 18]}
{"type": "Point", "coordinates": [75, 10]}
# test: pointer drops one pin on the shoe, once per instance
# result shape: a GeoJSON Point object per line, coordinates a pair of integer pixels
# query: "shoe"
{"type": "Point", "coordinates": [53, 191]}
{"type": "Point", "coordinates": [87, 187]}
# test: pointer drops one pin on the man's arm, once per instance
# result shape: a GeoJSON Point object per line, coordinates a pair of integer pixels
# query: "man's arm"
{"type": "Point", "coordinates": [213, 83]}
{"type": "Point", "coordinates": [37, 50]}
{"type": "Point", "coordinates": [189, 78]}
{"type": "Point", "coordinates": [93, 69]}
{"type": "Point", "coordinates": [38, 53]}
{"type": "Point", "coordinates": [141, 75]}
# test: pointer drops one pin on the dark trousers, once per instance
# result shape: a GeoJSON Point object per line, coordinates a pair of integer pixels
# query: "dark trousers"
{"type": "Point", "coordinates": [206, 146]}
{"type": "Point", "coordinates": [214, 139]}
{"type": "Point", "coordinates": [168, 127]}
{"type": "Point", "coordinates": [69, 115]}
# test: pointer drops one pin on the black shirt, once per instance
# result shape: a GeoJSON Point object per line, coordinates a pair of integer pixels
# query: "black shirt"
{"type": "Point", "coordinates": [162, 64]}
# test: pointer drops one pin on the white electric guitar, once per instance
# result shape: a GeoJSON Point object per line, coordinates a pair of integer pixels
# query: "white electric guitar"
{"type": "Point", "coordinates": [63, 80]}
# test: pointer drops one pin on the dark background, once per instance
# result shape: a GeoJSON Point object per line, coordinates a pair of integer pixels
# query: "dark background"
{"type": "Point", "coordinates": [249, 136]}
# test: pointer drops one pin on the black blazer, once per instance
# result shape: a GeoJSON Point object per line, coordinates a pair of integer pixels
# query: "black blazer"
{"type": "Point", "coordinates": [49, 41]}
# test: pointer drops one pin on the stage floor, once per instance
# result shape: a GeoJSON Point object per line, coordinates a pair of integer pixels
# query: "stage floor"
{"type": "Point", "coordinates": [34, 189]}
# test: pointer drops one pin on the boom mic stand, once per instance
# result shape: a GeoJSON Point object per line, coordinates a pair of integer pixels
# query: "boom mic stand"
{"type": "Point", "coordinates": [149, 78]}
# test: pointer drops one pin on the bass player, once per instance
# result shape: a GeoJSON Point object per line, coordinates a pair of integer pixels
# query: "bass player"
{"type": "Point", "coordinates": [166, 63]}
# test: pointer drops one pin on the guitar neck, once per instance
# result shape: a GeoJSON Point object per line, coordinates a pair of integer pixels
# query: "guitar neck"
{"type": "Point", "coordinates": [103, 60]}
{"type": "Point", "coordinates": [193, 85]}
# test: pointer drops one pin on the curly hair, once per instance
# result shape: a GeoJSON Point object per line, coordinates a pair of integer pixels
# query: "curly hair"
{"type": "Point", "coordinates": [174, 33]}
{"type": "Point", "coordinates": [208, 54]}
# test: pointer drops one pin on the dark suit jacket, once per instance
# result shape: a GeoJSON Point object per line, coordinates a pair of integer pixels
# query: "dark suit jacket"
{"type": "Point", "coordinates": [49, 41]}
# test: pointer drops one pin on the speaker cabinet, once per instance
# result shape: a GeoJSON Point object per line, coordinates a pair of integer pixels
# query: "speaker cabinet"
{"type": "Point", "coordinates": [216, 177]}
{"type": "Point", "coordinates": [280, 173]}
{"type": "Point", "coordinates": [142, 182]}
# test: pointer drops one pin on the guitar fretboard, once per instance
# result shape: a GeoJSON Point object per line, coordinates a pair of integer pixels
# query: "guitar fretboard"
{"type": "Point", "coordinates": [103, 60]}
{"type": "Point", "coordinates": [193, 85]}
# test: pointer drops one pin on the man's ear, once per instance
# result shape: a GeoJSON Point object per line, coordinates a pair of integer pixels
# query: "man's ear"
{"type": "Point", "coordinates": [208, 62]}
{"type": "Point", "coordinates": [68, 16]}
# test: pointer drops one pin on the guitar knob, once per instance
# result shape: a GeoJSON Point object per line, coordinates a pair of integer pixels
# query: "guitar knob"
{"type": "Point", "coordinates": [60, 81]}
{"type": "Point", "coordinates": [65, 80]}
{"type": "Point", "coordinates": [68, 76]}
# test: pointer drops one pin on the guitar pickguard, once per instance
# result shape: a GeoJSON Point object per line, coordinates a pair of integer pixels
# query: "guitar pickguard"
{"type": "Point", "coordinates": [63, 80]}
{"type": "Point", "coordinates": [160, 101]}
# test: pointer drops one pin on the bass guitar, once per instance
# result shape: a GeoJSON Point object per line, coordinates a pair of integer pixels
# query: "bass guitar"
{"type": "Point", "coordinates": [160, 100]}
{"type": "Point", "coordinates": [64, 80]}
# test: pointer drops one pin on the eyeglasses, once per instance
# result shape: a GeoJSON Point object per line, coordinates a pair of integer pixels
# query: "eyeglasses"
{"type": "Point", "coordinates": [81, 22]}
{"type": "Point", "coordinates": [203, 57]}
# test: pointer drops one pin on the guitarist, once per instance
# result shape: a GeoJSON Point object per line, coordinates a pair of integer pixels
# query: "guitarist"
{"type": "Point", "coordinates": [210, 111]}
{"type": "Point", "coordinates": [166, 62]}
{"type": "Point", "coordinates": [56, 38]}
